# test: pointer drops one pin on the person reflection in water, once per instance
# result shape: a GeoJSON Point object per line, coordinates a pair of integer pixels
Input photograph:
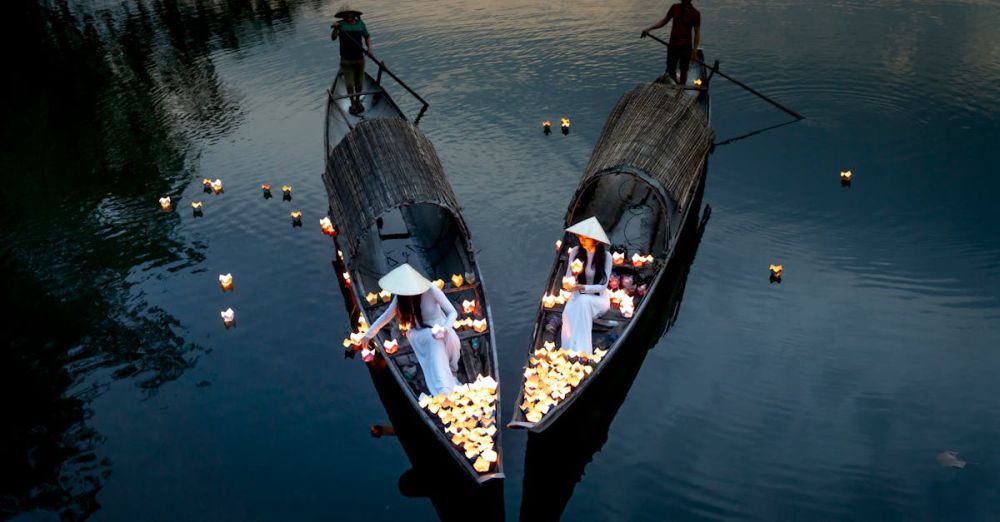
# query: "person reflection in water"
{"type": "Point", "coordinates": [590, 298]}
{"type": "Point", "coordinates": [352, 54]}
{"type": "Point", "coordinates": [680, 49]}
{"type": "Point", "coordinates": [431, 317]}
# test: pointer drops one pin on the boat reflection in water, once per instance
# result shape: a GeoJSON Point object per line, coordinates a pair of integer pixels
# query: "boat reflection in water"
{"type": "Point", "coordinates": [555, 459]}
{"type": "Point", "coordinates": [433, 475]}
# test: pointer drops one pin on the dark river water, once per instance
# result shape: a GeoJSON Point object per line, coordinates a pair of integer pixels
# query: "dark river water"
{"type": "Point", "coordinates": [826, 397]}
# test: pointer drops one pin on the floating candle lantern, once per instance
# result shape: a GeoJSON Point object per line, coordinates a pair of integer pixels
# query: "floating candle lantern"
{"type": "Point", "coordinates": [165, 203]}
{"type": "Point", "coordinates": [196, 208]}
{"type": "Point", "coordinates": [576, 266]}
{"type": "Point", "coordinates": [565, 126]}
{"type": "Point", "coordinates": [266, 187]}
{"type": "Point", "coordinates": [558, 244]}
{"type": "Point", "coordinates": [217, 186]}
{"type": "Point", "coordinates": [286, 193]}
{"type": "Point", "coordinates": [479, 325]}
{"type": "Point", "coordinates": [347, 278]}
{"type": "Point", "coordinates": [296, 218]}
{"type": "Point", "coordinates": [468, 306]}
{"type": "Point", "coordinates": [548, 300]}
{"type": "Point", "coordinates": [547, 127]}
{"type": "Point", "coordinates": [568, 282]}
{"type": "Point", "coordinates": [372, 298]}
{"type": "Point", "coordinates": [385, 295]}
{"type": "Point", "coordinates": [228, 316]}
{"type": "Point", "coordinates": [206, 185]}
{"type": "Point", "coordinates": [845, 178]}
{"type": "Point", "coordinates": [439, 283]}
{"type": "Point", "coordinates": [618, 258]}
{"type": "Point", "coordinates": [226, 281]}
{"type": "Point", "coordinates": [775, 273]}
{"type": "Point", "coordinates": [391, 346]}
{"type": "Point", "coordinates": [457, 280]}
{"type": "Point", "coordinates": [327, 226]}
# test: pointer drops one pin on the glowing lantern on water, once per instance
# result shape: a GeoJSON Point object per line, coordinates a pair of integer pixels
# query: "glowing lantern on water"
{"type": "Point", "coordinates": [576, 266]}
{"type": "Point", "coordinates": [296, 218]}
{"type": "Point", "coordinates": [775, 273]}
{"type": "Point", "coordinates": [568, 282]}
{"type": "Point", "coordinates": [347, 278]}
{"type": "Point", "coordinates": [266, 187]}
{"type": "Point", "coordinates": [468, 306]}
{"type": "Point", "coordinates": [385, 295]}
{"type": "Point", "coordinates": [479, 325]}
{"type": "Point", "coordinates": [228, 316]}
{"type": "Point", "coordinates": [206, 184]}
{"type": "Point", "coordinates": [457, 280]}
{"type": "Point", "coordinates": [391, 346]}
{"type": "Point", "coordinates": [845, 177]}
{"type": "Point", "coordinates": [226, 281]}
{"type": "Point", "coordinates": [439, 283]}
{"type": "Point", "coordinates": [286, 189]}
{"type": "Point", "coordinates": [217, 186]}
{"type": "Point", "coordinates": [565, 125]}
{"type": "Point", "coordinates": [165, 203]}
{"type": "Point", "coordinates": [548, 300]}
{"type": "Point", "coordinates": [327, 227]}
{"type": "Point", "coordinates": [372, 298]}
{"type": "Point", "coordinates": [547, 127]}
{"type": "Point", "coordinates": [618, 258]}
{"type": "Point", "coordinates": [196, 205]}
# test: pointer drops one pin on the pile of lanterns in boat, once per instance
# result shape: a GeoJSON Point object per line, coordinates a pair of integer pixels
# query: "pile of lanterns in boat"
{"type": "Point", "coordinates": [551, 375]}
{"type": "Point", "coordinates": [468, 414]}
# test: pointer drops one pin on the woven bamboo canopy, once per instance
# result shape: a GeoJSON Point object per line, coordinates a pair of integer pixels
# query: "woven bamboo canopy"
{"type": "Point", "coordinates": [382, 164]}
{"type": "Point", "coordinates": [658, 130]}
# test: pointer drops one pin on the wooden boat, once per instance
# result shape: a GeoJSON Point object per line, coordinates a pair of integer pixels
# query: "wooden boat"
{"type": "Point", "coordinates": [647, 166]}
{"type": "Point", "coordinates": [390, 203]}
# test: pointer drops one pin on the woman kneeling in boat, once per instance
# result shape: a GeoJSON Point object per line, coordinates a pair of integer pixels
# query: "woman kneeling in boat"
{"type": "Point", "coordinates": [417, 302]}
{"type": "Point", "coordinates": [590, 289]}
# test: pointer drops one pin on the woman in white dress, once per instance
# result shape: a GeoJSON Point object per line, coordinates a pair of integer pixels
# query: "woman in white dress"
{"type": "Point", "coordinates": [589, 299]}
{"type": "Point", "coordinates": [417, 302]}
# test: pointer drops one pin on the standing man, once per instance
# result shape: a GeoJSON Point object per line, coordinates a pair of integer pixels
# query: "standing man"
{"type": "Point", "coordinates": [352, 54]}
{"type": "Point", "coordinates": [680, 50]}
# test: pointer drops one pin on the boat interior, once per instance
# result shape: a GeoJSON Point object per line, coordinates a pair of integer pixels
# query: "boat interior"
{"type": "Point", "coordinates": [428, 237]}
{"type": "Point", "coordinates": [374, 99]}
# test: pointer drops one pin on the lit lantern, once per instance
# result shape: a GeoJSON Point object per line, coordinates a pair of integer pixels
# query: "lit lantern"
{"type": "Point", "coordinates": [549, 345]}
{"type": "Point", "coordinates": [479, 325]}
{"type": "Point", "coordinates": [439, 283]}
{"type": "Point", "coordinates": [206, 184]}
{"type": "Point", "coordinates": [347, 278]}
{"type": "Point", "coordinates": [367, 355]}
{"type": "Point", "coordinates": [226, 281]}
{"type": "Point", "coordinates": [340, 254]}
{"type": "Point", "coordinates": [637, 260]}
{"type": "Point", "coordinates": [196, 208]}
{"type": "Point", "coordinates": [697, 82]}
{"type": "Point", "coordinates": [490, 455]}
{"type": "Point", "coordinates": [266, 187]}
{"type": "Point", "coordinates": [558, 244]}
{"type": "Point", "coordinates": [618, 258]}
{"type": "Point", "coordinates": [286, 189]}
{"type": "Point", "coordinates": [165, 203]}
{"type": "Point", "coordinates": [457, 280]}
{"type": "Point", "coordinates": [296, 218]}
{"type": "Point", "coordinates": [775, 273]}
{"type": "Point", "coordinates": [357, 337]}
{"type": "Point", "coordinates": [391, 346]}
{"type": "Point", "coordinates": [568, 282]}
{"type": "Point", "coordinates": [404, 327]}
{"type": "Point", "coordinates": [385, 295]}
{"type": "Point", "coordinates": [547, 127]}
{"type": "Point", "coordinates": [372, 298]}
{"type": "Point", "coordinates": [565, 126]}
{"type": "Point", "coordinates": [576, 267]}
{"type": "Point", "coordinates": [564, 295]}
{"type": "Point", "coordinates": [228, 316]}
{"type": "Point", "coordinates": [327, 227]}
{"type": "Point", "coordinates": [548, 300]}
{"type": "Point", "coordinates": [217, 186]}
{"type": "Point", "coordinates": [845, 178]}
{"type": "Point", "coordinates": [468, 306]}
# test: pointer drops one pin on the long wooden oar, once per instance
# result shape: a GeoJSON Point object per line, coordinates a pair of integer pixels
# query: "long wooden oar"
{"type": "Point", "coordinates": [746, 87]}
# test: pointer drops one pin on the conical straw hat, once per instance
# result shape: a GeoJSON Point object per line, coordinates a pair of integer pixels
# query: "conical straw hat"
{"type": "Point", "coordinates": [591, 228]}
{"type": "Point", "coordinates": [346, 8]}
{"type": "Point", "coordinates": [404, 280]}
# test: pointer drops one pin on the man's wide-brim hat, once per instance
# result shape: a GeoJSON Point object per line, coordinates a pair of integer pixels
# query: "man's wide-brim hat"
{"type": "Point", "coordinates": [346, 8]}
{"type": "Point", "coordinates": [404, 280]}
{"type": "Point", "coordinates": [591, 228]}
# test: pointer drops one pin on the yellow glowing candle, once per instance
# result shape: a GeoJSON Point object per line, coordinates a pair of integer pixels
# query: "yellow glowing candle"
{"type": "Point", "coordinates": [697, 82]}
{"type": "Point", "coordinates": [568, 282]}
{"type": "Point", "coordinates": [372, 298]}
{"type": "Point", "coordinates": [327, 226]}
{"type": "Point", "coordinates": [287, 189]}
{"type": "Point", "coordinates": [439, 283]}
{"type": "Point", "coordinates": [618, 258]}
{"type": "Point", "coordinates": [565, 123]}
{"type": "Point", "coordinates": [226, 280]}
{"type": "Point", "coordinates": [775, 270]}
{"type": "Point", "coordinates": [165, 203]}
{"type": "Point", "coordinates": [217, 186]}
{"type": "Point", "coordinates": [468, 306]}
{"type": "Point", "coordinates": [457, 280]}
{"type": "Point", "coordinates": [549, 345]}
{"type": "Point", "coordinates": [391, 346]}
{"type": "Point", "coordinates": [479, 325]}
{"type": "Point", "coordinates": [196, 205]}
{"type": "Point", "coordinates": [385, 296]}
{"type": "Point", "coordinates": [296, 214]}
{"type": "Point", "coordinates": [576, 266]}
{"type": "Point", "coordinates": [845, 175]}
{"type": "Point", "coordinates": [549, 300]}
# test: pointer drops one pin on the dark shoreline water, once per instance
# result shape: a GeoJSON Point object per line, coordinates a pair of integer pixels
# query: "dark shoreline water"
{"type": "Point", "coordinates": [825, 397]}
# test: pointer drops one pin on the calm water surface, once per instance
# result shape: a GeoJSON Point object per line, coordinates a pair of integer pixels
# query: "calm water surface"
{"type": "Point", "coordinates": [826, 397]}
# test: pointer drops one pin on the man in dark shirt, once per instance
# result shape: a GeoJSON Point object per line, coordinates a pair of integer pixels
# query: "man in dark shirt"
{"type": "Point", "coordinates": [680, 50]}
{"type": "Point", "coordinates": [352, 54]}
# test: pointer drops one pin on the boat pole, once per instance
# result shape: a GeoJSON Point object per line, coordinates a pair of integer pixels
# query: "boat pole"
{"type": "Point", "coordinates": [746, 87]}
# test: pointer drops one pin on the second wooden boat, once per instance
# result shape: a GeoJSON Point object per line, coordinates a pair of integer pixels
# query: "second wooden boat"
{"type": "Point", "coordinates": [647, 165]}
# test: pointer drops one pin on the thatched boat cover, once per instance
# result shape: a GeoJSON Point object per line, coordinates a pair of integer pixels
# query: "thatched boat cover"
{"type": "Point", "coordinates": [382, 164]}
{"type": "Point", "coordinates": [659, 130]}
